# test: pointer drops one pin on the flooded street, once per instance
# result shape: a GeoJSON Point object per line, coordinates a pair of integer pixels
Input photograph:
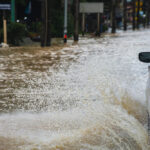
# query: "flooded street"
{"type": "Point", "coordinates": [89, 96]}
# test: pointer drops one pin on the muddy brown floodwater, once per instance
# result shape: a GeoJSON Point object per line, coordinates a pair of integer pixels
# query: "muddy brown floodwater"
{"type": "Point", "coordinates": [89, 96]}
{"type": "Point", "coordinates": [20, 67]}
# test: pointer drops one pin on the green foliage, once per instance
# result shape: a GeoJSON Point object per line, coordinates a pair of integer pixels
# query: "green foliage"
{"type": "Point", "coordinates": [70, 24]}
{"type": "Point", "coordinates": [21, 2]}
{"type": "Point", "coordinates": [104, 27]}
{"type": "Point", "coordinates": [36, 27]}
{"type": "Point", "coordinates": [15, 33]}
{"type": "Point", "coordinates": [57, 23]}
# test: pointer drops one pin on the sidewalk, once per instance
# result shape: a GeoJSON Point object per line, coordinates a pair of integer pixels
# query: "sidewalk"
{"type": "Point", "coordinates": [56, 43]}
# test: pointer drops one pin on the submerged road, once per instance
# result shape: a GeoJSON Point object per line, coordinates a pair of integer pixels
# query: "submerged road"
{"type": "Point", "coordinates": [89, 96]}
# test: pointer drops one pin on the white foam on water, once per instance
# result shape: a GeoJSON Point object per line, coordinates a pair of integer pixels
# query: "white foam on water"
{"type": "Point", "coordinates": [97, 103]}
{"type": "Point", "coordinates": [94, 125]}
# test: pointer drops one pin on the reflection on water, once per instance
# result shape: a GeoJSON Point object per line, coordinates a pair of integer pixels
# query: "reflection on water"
{"type": "Point", "coordinates": [84, 97]}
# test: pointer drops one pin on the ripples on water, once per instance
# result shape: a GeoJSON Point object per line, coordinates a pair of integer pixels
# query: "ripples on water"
{"type": "Point", "coordinates": [89, 96]}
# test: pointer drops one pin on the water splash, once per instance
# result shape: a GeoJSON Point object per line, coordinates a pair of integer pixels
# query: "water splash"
{"type": "Point", "coordinates": [96, 126]}
{"type": "Point", "coordinates": [89, 96]}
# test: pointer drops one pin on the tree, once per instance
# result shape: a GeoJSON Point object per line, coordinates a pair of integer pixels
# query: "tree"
{"type": "Point", "coordinates": [138, 14]}
{"type": "Point", "coordinates": [76, 20]}
{"type": "Point", "coordinates": [133, 14]}
{"type": "Point", "coordinates": [113, 11]}
{"type": "Point", "coordinates": [125, 14]}
{"type": "Point", "coordinates": [46, 21]}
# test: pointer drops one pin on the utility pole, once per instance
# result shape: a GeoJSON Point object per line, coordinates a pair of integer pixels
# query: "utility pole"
{"type": "Point", "coordinates": [125, 14]}
{"type": "Point", "coordinates": [65, 20]}
{"type": "Point", "coordinates": [46, 35]}
{"type": "Point", "coordinates": [12, 10]}
{"type": "Point", "coordinates": [138, 15]}
{"type": "Point", "coordinates": [76, 20]}
{"type": "Point", "coordinates": [113, 11]}
{"type": "Point", "coordinates": [133, 14]}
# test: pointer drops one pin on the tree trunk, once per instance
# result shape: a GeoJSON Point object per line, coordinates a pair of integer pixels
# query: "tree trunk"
{"type": "Point", "coordinates": [113, 11]}
{"type": "Point", "coordinates": [83, 24]}
{"type": "Point", "coordinates": [45, 12]}
{"type": "Point", "coordinates": [138, 15]}
{"type": "Point", "coordinates": [48, 43]}
{"type": "Point", "coordinates": [98, 24]}
{"type": "Point", "coordinates": [76, 20]}
{"type": "Point", "coordinates": [133, 14]}
{"type": "Point", "coordinates": [125, 15]}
